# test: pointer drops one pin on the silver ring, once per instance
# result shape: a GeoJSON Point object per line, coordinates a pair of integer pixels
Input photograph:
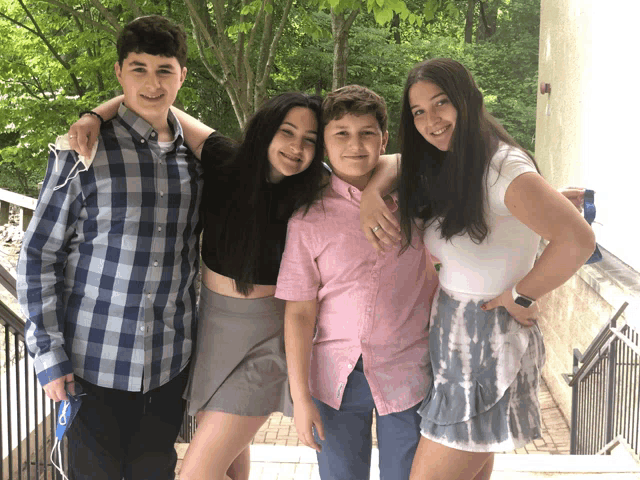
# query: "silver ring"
{"type": "Point", "coordinates": [376, 228]}
{"type": "Point", "coordinates": [70, 136]}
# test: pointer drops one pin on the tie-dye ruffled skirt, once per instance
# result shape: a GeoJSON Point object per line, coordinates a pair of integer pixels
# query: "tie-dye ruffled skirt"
{"type": "Point", "coordinates": [486, 369]}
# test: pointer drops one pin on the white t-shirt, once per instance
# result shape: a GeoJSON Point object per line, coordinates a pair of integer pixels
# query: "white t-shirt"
{"type": "Point", "coordinates": [506, 254]}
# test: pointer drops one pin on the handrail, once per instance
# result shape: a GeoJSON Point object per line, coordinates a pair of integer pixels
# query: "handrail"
{"type": "Point", "coordinates": [598, 342]}
{"type": "Point", "coordinates": [605, 382]}
{"type": "Point", "coordinates": [626, 341]}
{"type": "Point", "coordinates": [594, 348]}
{"type": "Point", "coordinates": [18, 199]}
{"type": "Point", "coordinates": [26, 204]}
{"type": "Point", "coordinates": [8, 281]}
{"type": "Point", "coordinates": [9, 317]}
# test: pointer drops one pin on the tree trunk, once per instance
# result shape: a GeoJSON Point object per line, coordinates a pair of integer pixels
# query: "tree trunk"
{"type": "Point", "coordinates": [395, 28]}
{"type": "Point", "coordinates": [340, 27]}
{"type": "Point", "coordinates": [488, 20]}
{"type": "Point", "coordinates": [468, 26]}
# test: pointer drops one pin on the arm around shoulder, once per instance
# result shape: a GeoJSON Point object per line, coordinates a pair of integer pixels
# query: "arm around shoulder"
{"type": "Point", "coordinates": [84, 132]}
{"type": "Point", "coordinates": [195, 132]}
{"type": "Point", "coordinates": [377, 222]}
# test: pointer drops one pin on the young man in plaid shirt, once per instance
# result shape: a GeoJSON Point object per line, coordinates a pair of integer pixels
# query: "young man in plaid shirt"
{"type": "Point", "coordinates": [107, 268]}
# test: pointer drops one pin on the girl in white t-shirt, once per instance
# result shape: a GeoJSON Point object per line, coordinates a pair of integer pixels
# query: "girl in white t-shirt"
{"type": "Point", "coordinates": [483, 207]}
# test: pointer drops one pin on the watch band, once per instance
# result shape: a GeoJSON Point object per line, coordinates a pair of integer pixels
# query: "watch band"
{"type": "Point", "coordinates": [522, 300]}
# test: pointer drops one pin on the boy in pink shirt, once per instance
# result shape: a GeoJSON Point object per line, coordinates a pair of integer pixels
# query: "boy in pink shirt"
{"type": "Point", "coordinates": [356, 321]}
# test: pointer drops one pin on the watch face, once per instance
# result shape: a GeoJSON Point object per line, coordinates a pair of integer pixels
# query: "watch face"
{"type": "Point", "coordinates": [523, 302]}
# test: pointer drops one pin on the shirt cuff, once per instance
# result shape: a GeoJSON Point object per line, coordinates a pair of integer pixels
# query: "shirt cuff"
{"type": "Point", "coordinates": [52, 365]}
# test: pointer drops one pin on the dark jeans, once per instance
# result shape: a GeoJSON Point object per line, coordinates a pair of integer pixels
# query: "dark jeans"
{"type": "Point", "coordinates": [127, 435]}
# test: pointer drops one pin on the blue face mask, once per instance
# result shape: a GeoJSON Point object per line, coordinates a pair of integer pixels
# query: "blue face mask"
{"type": "Point", "coordinates": [590, 216]}
{"type": "Point", "coordinates": [67, 411]}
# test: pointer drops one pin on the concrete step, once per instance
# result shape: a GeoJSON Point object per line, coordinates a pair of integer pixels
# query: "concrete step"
{"type": "Point", "coordinates": [275, 462]}
{"type": "Point", "coordinates": [503, 462]}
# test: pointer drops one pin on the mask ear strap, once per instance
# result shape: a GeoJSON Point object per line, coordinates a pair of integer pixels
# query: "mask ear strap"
{"type": "Point", "coordinates": [62, 143]}
{"type": "Point", "coordinates": [54, 150]}
{"type": "Point", "coordinates": [56, 450]}
{"type": "Point", "coordinates": [70, 177]}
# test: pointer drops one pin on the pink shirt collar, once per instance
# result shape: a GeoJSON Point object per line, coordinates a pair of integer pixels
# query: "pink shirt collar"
{"type": "Point", "coordinates": [351, 193]}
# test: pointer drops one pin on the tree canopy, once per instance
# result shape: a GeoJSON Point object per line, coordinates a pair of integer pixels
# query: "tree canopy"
{"type": "Point", "coordinates": [57, 57]}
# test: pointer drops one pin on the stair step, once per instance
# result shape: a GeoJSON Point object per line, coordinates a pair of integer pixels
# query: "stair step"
{"type": "Point", "coordinates": [531, 466]}
{"type": "Point", "coordinates": [566, 463]}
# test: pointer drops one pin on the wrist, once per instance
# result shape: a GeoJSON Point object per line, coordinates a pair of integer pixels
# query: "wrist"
{"type": "Point", "coordinates": [92, 113]}
{"type": "Point", "coordinates": [300, 396]}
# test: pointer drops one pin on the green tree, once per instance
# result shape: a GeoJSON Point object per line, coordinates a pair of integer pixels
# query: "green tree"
{"type": "Point", "coordinates": [237, 42]}
{"type": "Point", "coordinates": [263, 47]}
{"type": "Point", "coordinates": [57, 59]}
{"type": "Point", "coordinates": [41, 83]}
{"type": "Point", "coordinates": [343, 14]}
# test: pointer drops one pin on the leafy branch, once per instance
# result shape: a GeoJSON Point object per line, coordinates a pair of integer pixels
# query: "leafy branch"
{"type": "Point", "coordinates": [38, 32]}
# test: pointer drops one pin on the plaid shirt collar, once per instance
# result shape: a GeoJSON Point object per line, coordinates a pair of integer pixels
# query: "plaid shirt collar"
{"type": "Point", "coordinates": [139, 128]}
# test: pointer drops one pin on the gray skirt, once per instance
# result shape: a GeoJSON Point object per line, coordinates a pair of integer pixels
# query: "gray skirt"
{"type": "Point", "coordinates": [239, 365]}
{"type": "Point", "coordinates": [486, 369]}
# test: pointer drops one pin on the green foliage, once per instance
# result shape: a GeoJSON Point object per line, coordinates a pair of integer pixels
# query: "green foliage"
{"type": "Point", "coordinates": [39, 98]}
{"type": "Point", "coordinates": [40, 95]}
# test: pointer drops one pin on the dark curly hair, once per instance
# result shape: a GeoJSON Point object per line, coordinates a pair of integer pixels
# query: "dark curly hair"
{"type": "Point", "coordinates": [155, 35]}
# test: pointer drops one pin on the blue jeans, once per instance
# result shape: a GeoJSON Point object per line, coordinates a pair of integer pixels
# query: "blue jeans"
{"type": "Point", "coordinates": [346, 452]}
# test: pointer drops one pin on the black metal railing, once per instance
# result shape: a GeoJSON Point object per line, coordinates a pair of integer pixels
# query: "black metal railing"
{"type": "Point", "coordinates": [27, 421]}
{"type": "Point", "coordinates": [605, 404]}
{"type": "Point", "coordinates": [188, 429]}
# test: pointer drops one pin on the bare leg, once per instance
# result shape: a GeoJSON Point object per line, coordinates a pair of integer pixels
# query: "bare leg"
{"type": "Point", "coordinates": [219, 440]}
{"type": "Point", "coordinates": [239, 469]}
{"type": "Point", "coordinates": [434, 461]}
{"type": "Point", "coordinates": [485, 473]}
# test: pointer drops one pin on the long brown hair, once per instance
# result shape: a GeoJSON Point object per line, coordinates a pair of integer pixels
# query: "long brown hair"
{"type": "Point", "coordinates": [448, 185]}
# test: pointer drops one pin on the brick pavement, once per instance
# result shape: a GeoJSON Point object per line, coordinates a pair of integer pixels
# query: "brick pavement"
{"type": "Point", "coordinates": [279, 430]}
{"type": "Point", "coordinates": [298, 463]}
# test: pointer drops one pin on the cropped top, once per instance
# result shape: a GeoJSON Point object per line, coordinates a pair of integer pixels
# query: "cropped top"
{"type": "Point", "coordinates": [224, 212]}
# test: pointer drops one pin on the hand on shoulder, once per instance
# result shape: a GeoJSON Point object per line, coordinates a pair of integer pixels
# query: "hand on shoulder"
{"type": "Point", "coordinates": [83, 134]}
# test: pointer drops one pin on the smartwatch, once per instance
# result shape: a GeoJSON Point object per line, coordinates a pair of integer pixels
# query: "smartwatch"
{"type": "Point", "coordinates": [522, 300]}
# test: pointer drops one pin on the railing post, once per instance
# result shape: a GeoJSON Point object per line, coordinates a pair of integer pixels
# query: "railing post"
{"type": "Point", "coordinates": [611, 388]}
{"type": "Point", "coordinates": [574, 406]}
{"type": "Point", "coordinates": [4, 213]}
{"type": "Point", "coordinates": [25, 218]}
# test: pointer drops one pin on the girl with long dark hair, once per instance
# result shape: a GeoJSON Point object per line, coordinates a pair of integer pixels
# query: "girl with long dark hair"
{"type": "Point", "coordinates": [238, 370]}
{"type": "Point", "coordinates": [483, 207]}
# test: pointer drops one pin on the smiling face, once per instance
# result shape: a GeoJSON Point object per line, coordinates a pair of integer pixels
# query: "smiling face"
{"type": "Point", "coordinates": [150, 84]}
{"type": "Point", "coordinates": [434, 116]}
{"type": "Point", "coordinates": [293, 147]}
{"type": "Point", "coordinates": [354, 144]}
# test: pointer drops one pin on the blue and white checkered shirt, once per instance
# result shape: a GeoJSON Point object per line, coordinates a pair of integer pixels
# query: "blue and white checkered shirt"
{"type": "Point", "coordinates": [107, 267]}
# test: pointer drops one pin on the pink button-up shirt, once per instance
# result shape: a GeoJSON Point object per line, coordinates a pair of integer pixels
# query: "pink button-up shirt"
{"type": "Point", "coordinates": [370, 304]}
